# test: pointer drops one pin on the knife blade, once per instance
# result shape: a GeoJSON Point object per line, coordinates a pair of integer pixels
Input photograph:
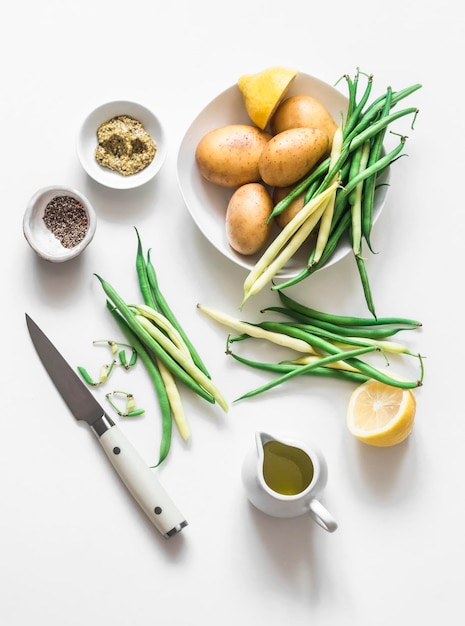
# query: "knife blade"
{"type": "Point", "coordinates": [131, 468]}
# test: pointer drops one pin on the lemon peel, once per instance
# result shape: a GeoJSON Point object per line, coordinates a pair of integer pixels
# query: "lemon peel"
{"type": "Point", "coordinates": [381, 415]}
{"type": "Point", "coordinates": [264, 91]}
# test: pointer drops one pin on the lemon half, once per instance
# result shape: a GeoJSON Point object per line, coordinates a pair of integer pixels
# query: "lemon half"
{"type": "Point", "coordinates": [264, 91]}
{"type": "Point", "coordinates": [381, 415]}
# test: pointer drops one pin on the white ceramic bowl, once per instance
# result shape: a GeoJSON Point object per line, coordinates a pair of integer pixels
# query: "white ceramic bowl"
{"type": "Point", "coordinates": [207, 202]}
{"type": "Point", "coordinates": [86, 144]}
{"type": "Point", "coordinates": [41, 238]}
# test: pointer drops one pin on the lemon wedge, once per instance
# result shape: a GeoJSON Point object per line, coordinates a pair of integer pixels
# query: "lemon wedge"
{"type": "Point", "coordinates": [264, 91]}
{"type": "Point", "coordinates": [381, 415]}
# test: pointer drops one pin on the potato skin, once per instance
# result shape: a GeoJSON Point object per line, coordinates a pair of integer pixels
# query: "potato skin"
{"type": "Point", "coordinates": [303, 112]}
{"type": "Point", "coordinates": [228, 156]}
{"type": "Point", "coordinates": [248, 210]}
{"type": "Point", "coordinates": [291, 154]}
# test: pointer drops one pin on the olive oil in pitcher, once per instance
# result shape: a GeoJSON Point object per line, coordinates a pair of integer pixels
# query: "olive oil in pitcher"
{"type": "Point", "coordinates": [287, 470]}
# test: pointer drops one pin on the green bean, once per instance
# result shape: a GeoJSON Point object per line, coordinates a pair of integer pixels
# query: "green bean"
{"type": "Point", "coordinates": [352, 89]}
{"type": "Point", "coordinates": [338, 337]}
{"type": "Point", "coordinates": [159, 312]}
{"type": "Point", "coordinates": [365, 126]}
{"type": "Point", "coordinates": [151, 344]}
{"type": "Point", "coordinates": [328, 251]}
{"type": "Point", "coordinates": [283, 368]}
{"type": "Point", "coordinates": [362, 125]}
{"type": "Point", "coordinates": [292, 245]}
{"type": "Point", "coordinates": [163, 324]}
{"type": "Point", "coordinates": [311, 191]}
{"type": "Point", "coordinates": [179, 356]}
{"type": "Point", "coordinates": [254, 330]}
{"type": "Point", "coordinates": [176, 405]}
{"type": "Point", "coordinates": [304, 369]}
{"type": "Point", "coordinates": [336, 354]}
{"type": "Point", "coordinates": [377, 166]}
{"type": "Point", "coordinates": [304, 185]}
{"type": "Point", "coordinates": [355, 140]}
{"type": "Point", "coordinates": [344, 320]}
{"type": "Point", "coordinates": [153, 297]}
{"type": "Point", "coordinates": [375, 128]}
{"type": "Point", "coordinates": [375, 332]}
{"type": "Point", "coordinates": [274, 258]}
{"type": "Point", "coordinates": [168, 313]}
{"type": "Point", "coordinates": [356, 199]}
{"type": "Point", "coordinates": [156, 379]}
{"type": "Point", "coordinates": [286, 330]}
{"type": "Point", "coordinates": [370, 183]}
{"type": "Point", "coordinates": [374, 109]}
{"type": "Point", "coordinates": [142, 275]}
{"type": "Point", "coordinates": [306, 359]}
{"type": "Point", "coordinates": [354, 169]}
{"type": "Point", "coordinates": [358, 107]}
{"type": "Point", "coordinates": [326, 220]}
{"type": "Point", "coordinates": [318, 337]}
{"type": "Point", "coordinates": [360, 261]}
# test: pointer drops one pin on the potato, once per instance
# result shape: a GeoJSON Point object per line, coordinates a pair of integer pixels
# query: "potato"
{"type": "Point", "coordinates": [283, 218]}
{"type": "Point", "coordinates": [228, 156]}
{"type": "Point", "coordinates": [303, 112]}
{"type": "Point", "coordinates": [248, 210]}
{"type": "Point", "coordinates": [290, 155]}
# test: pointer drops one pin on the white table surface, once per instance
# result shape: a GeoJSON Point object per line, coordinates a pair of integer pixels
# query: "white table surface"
{"type": "Point", "coordinates": [74, 547]}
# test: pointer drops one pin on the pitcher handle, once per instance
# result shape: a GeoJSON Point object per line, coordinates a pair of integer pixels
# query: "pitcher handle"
{"type": "Point", "coordinates": [322, 516]}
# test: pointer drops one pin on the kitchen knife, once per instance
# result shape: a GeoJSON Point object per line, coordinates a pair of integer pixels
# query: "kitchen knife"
{"type": "Point", "coordinates": [133, 471]}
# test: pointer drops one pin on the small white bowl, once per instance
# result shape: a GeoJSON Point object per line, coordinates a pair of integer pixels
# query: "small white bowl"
{"type": "Point", "coordinates": [87, 142]}
{"type": "Point", "coordinates": [40, 237]}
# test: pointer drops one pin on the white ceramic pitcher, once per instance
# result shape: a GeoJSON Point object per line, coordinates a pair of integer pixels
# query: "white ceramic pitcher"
{"type": "Point", "coordinates": [282, 478]}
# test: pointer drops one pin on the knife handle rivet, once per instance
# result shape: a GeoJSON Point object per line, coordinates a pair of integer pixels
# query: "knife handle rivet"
{"type": "Point", "coordinates": [157, 510]}
{"type": "Point", "coordinates": [116, 450]}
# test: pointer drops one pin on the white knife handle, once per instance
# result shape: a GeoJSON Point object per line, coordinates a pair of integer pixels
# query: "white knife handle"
{"type": "Point", "coordinates": [139, 478]}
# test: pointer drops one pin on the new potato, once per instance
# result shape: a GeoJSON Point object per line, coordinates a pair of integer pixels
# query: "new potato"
{"type": "Point", "coordinates": [247, 226]}
{"type": "Point", "coordinates": [228, 156]}
{"type": "Point", "coordinates": [290, 155]}
{"type": "Point", "coordinates": [303, 111]}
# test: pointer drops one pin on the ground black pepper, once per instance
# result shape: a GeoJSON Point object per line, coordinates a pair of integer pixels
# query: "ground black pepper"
{"type": "Point", "coordinates": [67, 219]}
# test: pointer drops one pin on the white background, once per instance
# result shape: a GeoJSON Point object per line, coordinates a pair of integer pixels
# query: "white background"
{"type": "Point", "coordinates": [74, 548]}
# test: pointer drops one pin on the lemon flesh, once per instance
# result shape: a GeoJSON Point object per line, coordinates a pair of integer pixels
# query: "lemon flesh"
{"type": "Point", "coordinates": [264, 91]}
{"type": "Point", "coordinates": [381, 415]}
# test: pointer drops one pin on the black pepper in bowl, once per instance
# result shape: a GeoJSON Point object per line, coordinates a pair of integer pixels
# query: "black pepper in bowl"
{"type": "Point", "coordinates": [67, 219]}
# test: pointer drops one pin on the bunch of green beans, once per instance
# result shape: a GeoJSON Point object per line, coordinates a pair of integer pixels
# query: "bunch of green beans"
{"type": "Point", "coordinates": [359, 163]}
{"type": "Point", "coordinates": [163, 347]}
{"type": "Point", "coordinates": [329, 345]}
